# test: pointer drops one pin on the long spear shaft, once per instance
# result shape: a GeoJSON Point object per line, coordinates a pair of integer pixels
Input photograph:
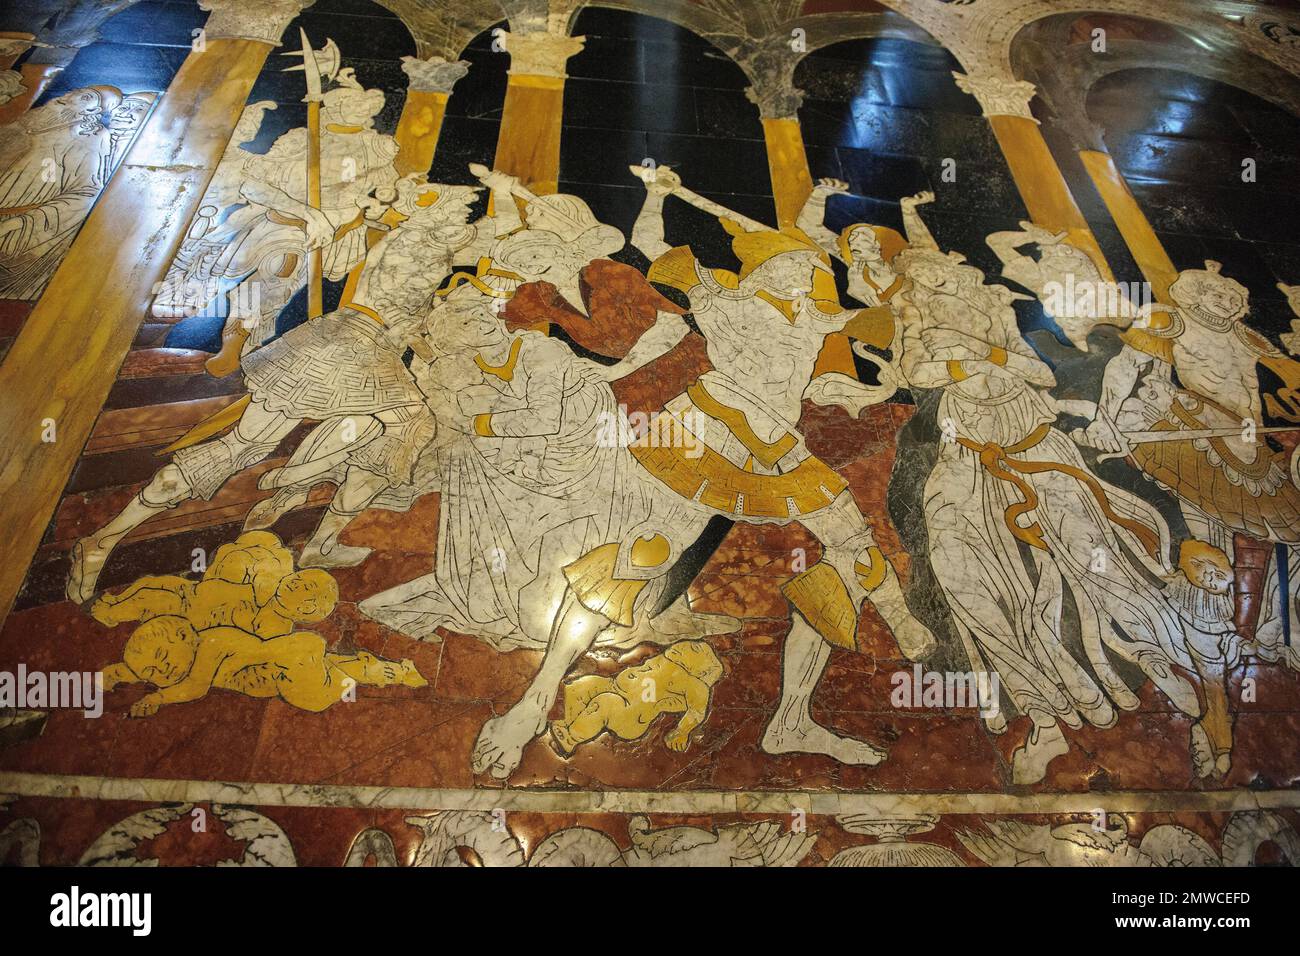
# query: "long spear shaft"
{"type": "Point", "coordinates": [316, 264]}
{"type": "Point", "coordinates": [316, 258]}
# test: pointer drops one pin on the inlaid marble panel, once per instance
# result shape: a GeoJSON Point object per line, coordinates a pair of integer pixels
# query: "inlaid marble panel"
{"type": "Point", "coordinates": [583, 435]}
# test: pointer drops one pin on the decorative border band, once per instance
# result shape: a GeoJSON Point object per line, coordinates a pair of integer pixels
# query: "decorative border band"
{"type": "Point", "coordinates": [632, 801]}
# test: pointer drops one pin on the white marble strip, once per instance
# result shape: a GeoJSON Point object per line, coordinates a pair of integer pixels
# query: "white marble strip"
{"type": "Point", "coordinates": [832, 803]}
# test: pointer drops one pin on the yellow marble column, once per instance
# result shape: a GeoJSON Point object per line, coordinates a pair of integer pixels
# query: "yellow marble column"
{"type": "Point", "coordinates": [528, 145]}
{"type": "Point", "coordinates": [426, 106]}
{"type": "Point", "coordinates": [59, 371]}
{"type": "Point", "coordinates": [778, 103]}
{"type": "Point", "coordinates": [1142, 241]}
{"type": "Point", "coordinates": [787, 164]}
{"type": "Point", "coordinates": [1047, 196]}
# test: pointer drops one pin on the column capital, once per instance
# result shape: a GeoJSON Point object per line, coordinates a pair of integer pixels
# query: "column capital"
{"type": "Point", "coordinates": [541, 53]}
{"type": "Point", "coordinates": [262, 20]}
{"type": "Point", "coordinates": [999, 95]}
{"type": "Point", "coordinates": [775, 100]}
{"type": "Point", "coordinates": [437, 74]}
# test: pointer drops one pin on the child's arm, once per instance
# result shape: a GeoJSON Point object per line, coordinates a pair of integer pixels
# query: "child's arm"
{"type": "Point", "coordinates": [214, 650]}
{"type": "Point", "coordinates": [119, 673]}
{"type": "Point", "coordinates": [696, 693]}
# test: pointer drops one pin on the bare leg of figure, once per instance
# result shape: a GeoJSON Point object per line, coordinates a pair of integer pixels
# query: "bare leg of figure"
{"type": "Point", "coordinates": [254, 437]}
{"type": "Point", "coordinates": [849, 547]}
{"type": "Point", "coordinates": [792, 728]}
{"type": "Point", "coordinates": [501, 742]}
{"type": "Point", "coordinates": [268, 512]}
{"type": "Point", "coordinates": [1211, 743]}
{"type": "Point", "coordinates": [354, 496]}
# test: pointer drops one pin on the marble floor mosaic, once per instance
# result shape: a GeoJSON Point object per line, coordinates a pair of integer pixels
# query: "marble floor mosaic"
{"type": "Point", "coordinates": [649, 433]}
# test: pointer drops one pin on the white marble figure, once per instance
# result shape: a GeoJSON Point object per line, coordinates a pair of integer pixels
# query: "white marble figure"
{"type": "Point", "coordinates": [1006, 477]}
{"type": "Point", "coordinates": [344, 370]}
{"type": "Point", "coordinates": [54, 162]}
{"type": "Point", "coordinates": [1066, 281]}
{"type": "Point", "coordinates": [528, 485]}
{"type": "Point", "coordinates": [1229, 481]}
{"type": "Point", "coordinates": [255, 249]}
{"type": "Point", "coordinates": [737, 425]}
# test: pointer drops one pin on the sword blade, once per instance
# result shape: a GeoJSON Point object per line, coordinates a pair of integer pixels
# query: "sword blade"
{"type": "Point", "coordinates": [1166, 435]}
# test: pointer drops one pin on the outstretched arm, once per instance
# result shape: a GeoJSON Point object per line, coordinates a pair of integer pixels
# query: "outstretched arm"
{"type": "Point", "coordinates": [118, 674]}
{"type": "Point", "coordinates": [721, 212]}
{"type": "Point", "coordinates": [505, 212]}
{"type": "Point", "coordinates": [213, 651]}
{"type": "Point", "coordinates": [697, 707]}
{"type": "Point", "coordinates": [648, 231]}
{"type": "Point", "coordinates": [918, 233]}
{"type": "Point", "coordinates": [1117, 384]}
{"type": "Point", "coordinates": [1006, 246]}
{"type": "Point", "coordinates": [669, 329]}
{"type": "Point", "coordinates": [812, 218]}
{"type": "Point", "coordinates": [320, 231]}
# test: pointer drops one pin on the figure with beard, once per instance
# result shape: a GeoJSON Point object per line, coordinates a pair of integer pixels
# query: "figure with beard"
{"type": "Point", "coordinates": [54, 161]}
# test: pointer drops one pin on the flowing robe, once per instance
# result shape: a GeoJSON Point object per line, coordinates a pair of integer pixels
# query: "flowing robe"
{"type": "Point", "coordinates": [48, 181]}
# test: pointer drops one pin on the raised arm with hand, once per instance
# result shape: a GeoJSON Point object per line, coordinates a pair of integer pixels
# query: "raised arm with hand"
{"type": "Point", "coordinates": [812, 218]}
{"type": "Point", "coordinates": [918, 233]}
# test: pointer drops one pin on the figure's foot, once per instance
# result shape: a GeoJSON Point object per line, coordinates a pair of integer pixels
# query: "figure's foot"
{"type": "Point", "coordinates": [812, 738]}
{"type": "Point", "coordinates": [1201, 751]}
{"type": "Point", "coordinates": [1029, 762]}
{"type": "Point", "coordinates": [337, 556]}
{"type": "Point", "coordinates": [105, 612]}
{"type": "Point", "coordinates": [996, 723]}
{"type": "Point", "coordinates": [227, 360]}
{"type": "Point", "coordinates": [564, 741]}
{"type": "Point", "coordinates": [88, 557]}
{"type": "Point", "coordinates": [501, 742]}
{"type": "Point", "coordinates": [1207, 761]}
{"type": "Point", "coordinates": [270, 510]}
